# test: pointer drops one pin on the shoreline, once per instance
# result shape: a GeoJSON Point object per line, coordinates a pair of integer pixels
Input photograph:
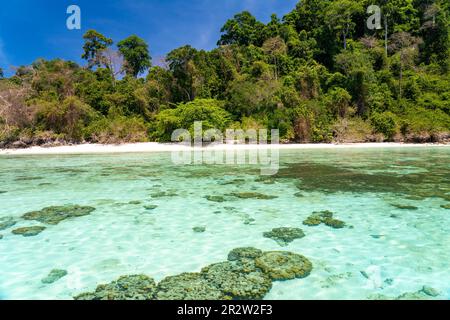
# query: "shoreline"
{"type": "Point", "coordinates": [149, 147]}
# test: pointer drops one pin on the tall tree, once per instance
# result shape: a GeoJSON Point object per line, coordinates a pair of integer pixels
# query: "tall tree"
{"type": "Point", "coordinates": [436, 34]}
{"type": "Point", "coordinates": [94, 47]}
{"type": "Point", "coordinates": [1, 73]}
{"type": "Point", "coordinates": [406, 46]}
{"type": "Point", "coordinates": [339, 16]}
{"type": "Point", "coordinates": [183, 68]}
{"type": "Point", "coordinates": [243, 30]}
{"type": "Point", "coordinates": [398, 16]}
{"type": "Point", "coordinates": [136, 54]}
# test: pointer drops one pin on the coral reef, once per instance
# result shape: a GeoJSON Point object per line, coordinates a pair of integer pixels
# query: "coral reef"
{"type": "Point", "coordinates": [426, 293]}
{"type": "Point", "coordinates": [325, 217]}
{"type": "Point", "coordinates": [199, 229]}
{"type": "Point", "coordinates": [28, 231]}
{"type": "Point", "coordinates": [215, 198]}
{"type": "Point", "coordinates": [54, 215]}
{"type": "Point", "coordinates": [135, 202]}
{"type": "Point", "coordinates": [429, 291]}
{"type": "Point", "coordinates": [7, 222]}
{"type": "Point", "coordinates": [188, 286]}
{"type": "Point", "coordinates": [252, 195]}
{"type": "Point", "coordinates": [163, 194]}
{"type": "Point", "coordinates": [236, 282]}
{"type": "Point", "coordinates": [232, 182]}
{"type": "Point", "coordinates": [404, 207]}
{"type": "Point", "coordinates": [54, 276]}
{"type": "Point", "coordinates": [134, 287]}
{"type": "Point", "coordinates": [284, 265]}
{"type": "Point", "coordinates": [248, 274]}
{"type": "Point", "coordinates": [284, 236]}
{"type": "Point", "coordinates": [244, 253]}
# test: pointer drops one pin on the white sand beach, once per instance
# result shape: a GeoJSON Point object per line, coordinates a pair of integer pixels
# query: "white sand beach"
{"type": "Point", "coordinates": [168, 147]}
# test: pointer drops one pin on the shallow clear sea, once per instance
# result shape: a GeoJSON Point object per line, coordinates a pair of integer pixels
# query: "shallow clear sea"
{"type": "Point", "coordinates": [383, 252]}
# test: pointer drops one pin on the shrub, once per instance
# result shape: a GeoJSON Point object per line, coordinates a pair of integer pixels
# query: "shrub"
{"type": "Point", "coordinates": [424, 121]}
{"type": "Point", "coordinates": [352, 130]}
{"type": "Point", "coordinates": [385, 123]}
{"type": "Point", "coordinates": [69, 117]}
{"type": "Point", "coordinates": [209, 111]}
{"type": "Point", "coordinates": [118, 129]}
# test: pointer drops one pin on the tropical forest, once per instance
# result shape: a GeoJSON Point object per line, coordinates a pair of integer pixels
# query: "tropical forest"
{"type": "Point", "coordinates": [319, 74]}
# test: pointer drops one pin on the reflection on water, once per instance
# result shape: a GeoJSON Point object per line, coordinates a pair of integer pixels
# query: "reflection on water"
{"type": "Point", "coordinates": [149, 216]}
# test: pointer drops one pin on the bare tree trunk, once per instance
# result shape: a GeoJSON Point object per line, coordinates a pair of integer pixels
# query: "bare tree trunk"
{"type": "Point", "coordinates": [386, 35]}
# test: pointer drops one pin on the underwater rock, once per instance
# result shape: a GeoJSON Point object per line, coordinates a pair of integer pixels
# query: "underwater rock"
{"type": "Point", "coordinates": [284, 265]}
{"type": "Point", "coordinates": [199, 229]}
{"type": "Point", "coordinates": [28, 231]}
{"type": "Point", "coordinates": [236, 282]}
{"type": "Point", "coordinates": [135, 202]}
{"type": "Point", "coordinates": [163, 194]}
{"type": "Point", "coordinates": [429, 291]}
{"type": "Point", "coordinates": [426, 293]}
{"type": "Point", "coordinates": [7, 222]}
{"type": "Point", "coordinates": [54, 276]}
{"type": "Point", "coordinates": [150, 207]}
{"type": "Point", "coordinates": [445, 206]}
{"type": "Point", "coordinates": [334, 223]}
{"type": "Point", "coordinates": [244, 253]}
{"type": "Point", "coordinates": [215, 198]}
{"type": "Point", "coordinates": [1, 236]}
{"type": "Point", "coordinates": [23, 178]}
{"type": "Point", "coordinates": [232, 182]}
{"type": "Point", "coordinates": [313, 220]}
{"type": "Point", "coordinates": [299, 195]}
{"type": "Point", "coordinates": [419, 295]}
{"type": "Point", "coordinates": [54, 215]}
{"type": "Point", "coordinates": [248, 220]}
{"type": "Point", "coordinates": [188, 286]}
{"type": "Point", "coordinates": [325, 217]}
{"type": "Point", "coordinates": [404, 207]}
{"type": "Point", "coordinates": [252, 195]}
{"type": "Point", "coordinates": [284, 236]}
{"type": "Point", "coordinates": [2, 192]}
{"type": "Point", "coordinates": [134, 287]}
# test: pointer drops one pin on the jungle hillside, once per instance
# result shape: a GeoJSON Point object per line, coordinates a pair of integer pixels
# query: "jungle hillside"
{"type": "Point", "coordinates": [318, 74]}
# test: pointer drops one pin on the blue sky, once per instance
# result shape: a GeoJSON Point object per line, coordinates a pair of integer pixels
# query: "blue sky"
{"type": "Point", "coordinates": [31, 29]}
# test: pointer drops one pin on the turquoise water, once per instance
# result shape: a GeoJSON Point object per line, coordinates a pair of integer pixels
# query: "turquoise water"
{"type": "Point", "coordinates": [396, 239]}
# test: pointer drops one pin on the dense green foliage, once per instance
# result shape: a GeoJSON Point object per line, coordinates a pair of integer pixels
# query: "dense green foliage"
{"type": "Point", "coordinates": [318, 75]}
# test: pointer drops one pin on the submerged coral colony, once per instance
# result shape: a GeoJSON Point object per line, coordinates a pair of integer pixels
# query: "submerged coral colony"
{"type": "Point", "coordinates": [248, 274]}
